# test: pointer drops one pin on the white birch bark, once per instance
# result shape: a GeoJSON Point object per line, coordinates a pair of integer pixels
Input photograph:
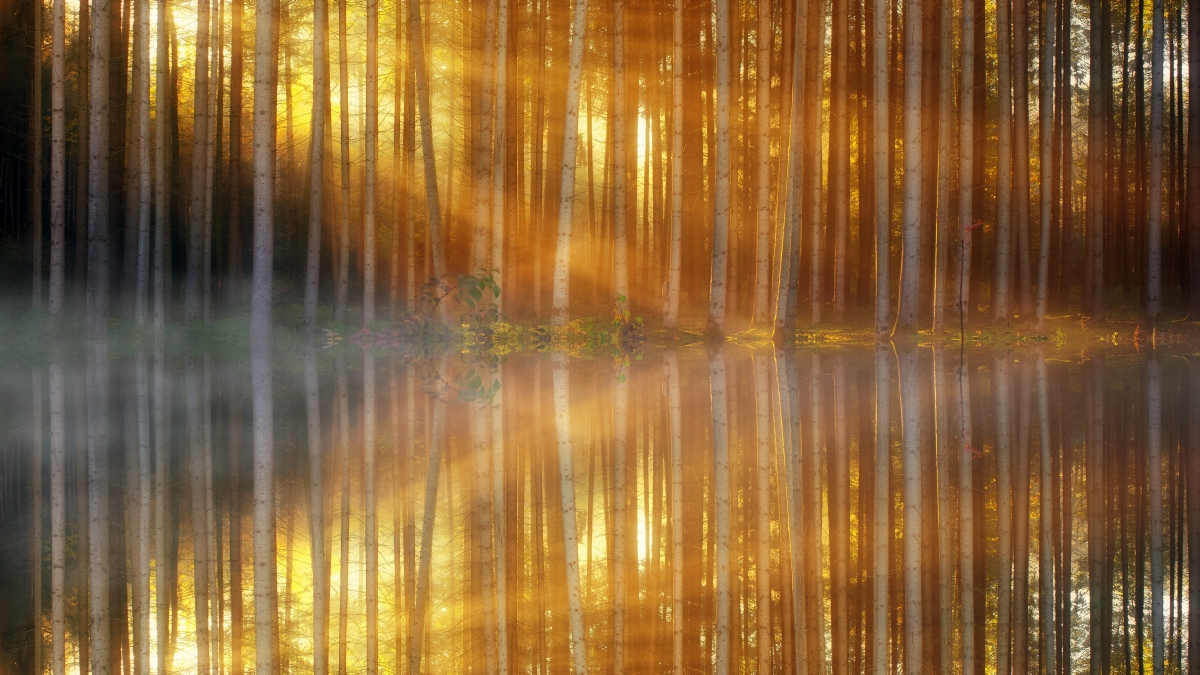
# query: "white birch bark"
{"type": "Point", "coordinates": [671, 374]}
{"type": "Point", "coordinates": [966, 167]}
{"type": "Point", "coordinates": [910, 264]}
{"type": "Point", "coordinates": [721, 495]}
{"type": "Point", "coordinates": [562, 252]}
{"type": "Point", "coordinates": [762, 490]}
{"type": "Point", "coordinates": [720, 233]}
{"type": "Point", "coordinates": [620, 534]}
{"type": "Point", "coordinates": [562, 424]}
{"type": "Point", "coordinates": [882, 532]}
{"type": "Point", "coordinates": [942, 227]}
{"type": "Point", "coordinates": [882, 177]}
{"type": "Point", "coordinates": [58, 155]}
{"type": "Point", "coordinates": [910, 409]}
{"type": "Point", "coordinates": [141, 145]}
{"type": "Point", "coordinates": [671, 302]}
{"type": "Point", "coordinates": [265, 74]}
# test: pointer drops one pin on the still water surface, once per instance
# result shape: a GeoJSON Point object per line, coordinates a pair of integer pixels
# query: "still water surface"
{"type": "Point", "coordinates": [698, 510]}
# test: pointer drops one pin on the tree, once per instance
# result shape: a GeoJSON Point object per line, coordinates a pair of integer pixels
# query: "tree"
{"type": "Point", "coordinates": [910, 396]}
{"type": "Point", "coordinates": [317, 149]}
{"type": "Point", "coordinates": [720, 240]}
{"type": "Point", "coordinates": [671, 375]}
{"type": "Point", "coordinates": [416, 49]}
{"type": "Point", "coordinates": [1154, 450]}
{"type": "Point", "coordinates": [620, 519]}
{"type": "Point", "coordinates": [880, 527]}
{"type": "Point", "coordinates": [266, 38]}
{"type": "Point", "coordinates": [1193, 164]}
{"type": "Point", "coordinates": [883, 208]}
{"type": "Point", "coordinates": [620, 129]}
{"type": "Point", "coordinates": [1154, 217]}
{"type": "Point", "coordinates": [762, 514]}
{"type": "Point", "coordinates": [721, 490]}
{"type": "Point", "coordinates": [562, 424]}
{"type": "Point", "coordinates": [371, 526]}
{"type": "Point", "coordinates": [58, 158]}
{"type": "Point", "coordinates": [1046, 174]}
{"type": "Point", "coordinates": [481, 220]}
{"type": "Point", "coordinates": [839, 150]}
{"type": "Point", "coordinates": [674, 276]}
{"type": "Point", "coordinates": [762, 119]}
{"type": "Point", "coordinates": [35, 153]}
{"type": "Point", "coordinates": [562, 252]}
{"type": "Point", "coordinates": [371, 127]}
{"type": "Point", "coordinates": [1046, 570]}
{"type": "Point", "coordinates": [1096, 158]}
{"type": "Point", "coordinates": [342, 289]}
{"type": "Point", "coordinates": [316, 482]}
{"type": "Point", "coordinates": [942, 227]}
{"type": "Point", "coordinates": [910, 266]}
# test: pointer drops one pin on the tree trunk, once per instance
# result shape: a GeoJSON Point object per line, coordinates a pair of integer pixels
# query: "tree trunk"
{"type": "Point", "coordinates": [881, 144]}
{"type": "Point", "coordinates": [839, 150]}
{"type": "Point", "coordinates": [910, 397]}
{"type": "Point", "coordinates": [910, 266]}
{"type": "Point", "coordinates": [721, 495]}
{"type": "Point", "coordinates": [671, 375]}
{"type": "Point", "coordinates": [720, 235]}
{"type": "Point", "coordinates": [562, 253]}
{"type": "Point", "coordinates": [1045, 172]}
{"type": "Point", "coordinates": [966, 489]}
{"type": "Point", "coordinates": [942, 228]}
{"type": "Point", "coordinates": [1154, 444]}
{"type": "Point", "coordinates": [162, 188]}
{"type": "Point", "coordinates": [499, 177]}
{"type": "Point", "coordinates": [342, 288]}
{"type": "Point", "coordinates": [317, 150]}
{"type": "Point", "coordinates": [966, 184]}
{"type": "Point", "coordinates": [37, 44]}
{"type": "Point", "coordinates": [1020, 208]}
{"type": "Point", "coordinates": [1096, 154]}
{"type": "Point", "coordinates": [416, 636]}
{"type": "Point", "coordinates": [762, 120]}
{"type": "Point", "coordinates": [562, 424]}
{"type": "Point", "coordinates": [58, 157]}
{"type": "Point", "coordinates": [763, 635]}
{"type": "Point", "coordinates": [1154, 216]}
{"type": "Point", "coordinates": [1193, 178]}
{"type": "Point", "coordinates": [481, 219]}
{"type": "Point", "coordinates": [620, 533]}
{"type": "Point", "coordinates": [1046, 570]}
{"type": "Point", "coordinates": [674, 276]}
{"type": "Point", "coordinates": [881, 529]}
{"type": "Point", "coordinates": [416, 46]}
{"type": "Point", "coordinates": [265, 74]}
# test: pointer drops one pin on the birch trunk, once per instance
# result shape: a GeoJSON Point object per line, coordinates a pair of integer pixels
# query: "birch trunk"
{"type": "Point", "coordinates": [37, 45]}
{"type": "Point", "coordinates": [142, 494]}
{"type": "Point", "coordinates": [1045, 173]}
{"type": "Point", "coordinates": [371, 139]}
{"type": "Point", "coordinates": [882, 532]}
{"type": "Point", "coordinates": [162, 193]}
{"type": "Point", "coordinates": [942, 435]}
{"type": "Point", "coordinates": [162, 512]}
{"type": "Point", "coordinates": [497, 220]}
{"type": "Point", "coordinates": [720, 234]}
{"type": "Point", "coordinates": [883, 178]}
{"type": "Point", "coordinates": [1154, 451]}
{"type": "Point", "coordinates": [671, 302]}
{"type": "Point", "coordinates": [763, 636]}
{"type": "Point", "coordinates": [58, 156]}
{"type": "Point", "coordinates": [671, 375]}
{"type": "Point", "coordinates": [620, 535]}
{"type": "Point", "coordinates": [620, 129]}
{"type": "Point", "coordinates": [562, 252]}
{"type": "Point", "coordinates": [839, 150]}
{"type": "Point", "coordinates": [910, 398]}
{"type": "Point", "coordinates": [562, 425]}
{"type": "Point", "coordinates": [1001, 281]}
{"type": "Point", "coordinates": [265, 74]}
{"type": "Point", "coordinates": [1021, 155]}
{"type": "Point", "coordinates": [234, 225]}
{"type": "Point", "coordinates": [141, 145]}
{"type": "Point", "coordinates": [721, 495]}
{"type": "Point", "coordinates": [1154, 216]}
{"type": "Point", "coordinates": [910, 266]}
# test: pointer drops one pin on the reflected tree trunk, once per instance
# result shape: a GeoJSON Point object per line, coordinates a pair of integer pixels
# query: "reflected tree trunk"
{"type": "Point", "coordinates": [562, 424]}
{"type": "Point", "coordinates": [417, 634]}
{"type": "Point", "coordinates": [620, 535]}
{"type": "Point", "coordinates": [482, 516]}
{"type": "Point", "coordinates": [763, 636]}
{"type": "Point", "coordinates": [1154, 452]}
{"type": "Point", "coordinates": [1046, 570]}
{"type": "Point", "coordinates": [966, 518]}
{"type": "Point", "coordinates": [1002, 392]}
{"type": "Point", "coordinates": [674, 407]}
{"type": "Point", "coordinates": [881, 529]}
{"type": "Point", "coordinates": [945, 533]}
{"type": "Point", "coordinates": [910, 408]}
{"type": "Point", "coordinates": [372, 526]}
{"type": "Point", "coordinates": [721, 494]}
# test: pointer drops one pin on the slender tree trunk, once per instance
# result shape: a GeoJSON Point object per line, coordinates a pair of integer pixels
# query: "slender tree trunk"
{"type": "Point", "coordinates": [317, 150]}
{"type": "Point", "coordinates": [562, 253]}
{"type": "Point", "coordinates": [372, 150]}
{"type": "Point", "coordinates": [1154, 216]}
{"type": "Point", "coordinates": [482, 516]}
{"type": "Point", "coordinates": [620, 533]}
{"type": "Point", "coordinates": [966, 181]}
{"type": "Point", "coordinates": [499, 193]}
{"type": "Point", "coordinates": [945, 531]}
{"type": "Point", "coordinates": [58, 159]}
{"type": "Point", "coordinates": [1193, 184]}
{"type": "Point", "coordinates": [910, 267]}
{"type": "Point", "coordinates": [416, 636]}
{"type": "Point", "coordinates": [883, 179]}
{"type": "Point", "coordinates": [83, 150]}
{"type": "Point", "coordinates": [265, 75]}
{"type": "Point", "coordinates": [942, 227]}
{"type": "Point", "coordinates": [966, 517]}
{"type": "Point", "coordinates": [763, 635]}
{"type": "Point", "coordinates": [910, 396]}
{"type": "Point", "coordinates": [481, 219]}
{"type": "Point", "coordinates": [1096, 154]}
{"type": "Point", "coordinates": [881, 529]}
{"type": "Point", "coordinates": [372, 526]}
{"type": "Point", "coordinates": [1045, 172]}
{"type": "Point", "coordinates": [671, 375]}
{"type": "Point", "coordinates": [1046, 570]}
{"type": "Point", "coordinates": [498, 473]}
{"type": "Point", "coordinates": [562, 424]}
{"type": "Point", "coordinates": [58, 499]}
{"type": "Point", "coordinates": [839, 150]}
{"type": "Point", "coordinates": [1154, 451]}
{"type": "Point", "coordinates": [674, 276]}
{"type": "Point", "coordinates": [721, 494]}
{"type": "Point", "coordinates": [316, 482]}
{"type": "Point", "coordinates": [37, 43]}
{"type": "Point", "coordinates": [416, 46]}
{"type": "Point", "coordinates": [720, 235]}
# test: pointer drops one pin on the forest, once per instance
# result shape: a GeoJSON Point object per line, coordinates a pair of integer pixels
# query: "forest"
{"type": "Point", "coordinates": [570, 336]}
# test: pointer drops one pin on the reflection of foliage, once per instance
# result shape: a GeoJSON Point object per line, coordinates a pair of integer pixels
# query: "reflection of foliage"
{"type": "Point", "coordinates": [467, 290]}
{"type": "Point", "coordinates": [475, 384]}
